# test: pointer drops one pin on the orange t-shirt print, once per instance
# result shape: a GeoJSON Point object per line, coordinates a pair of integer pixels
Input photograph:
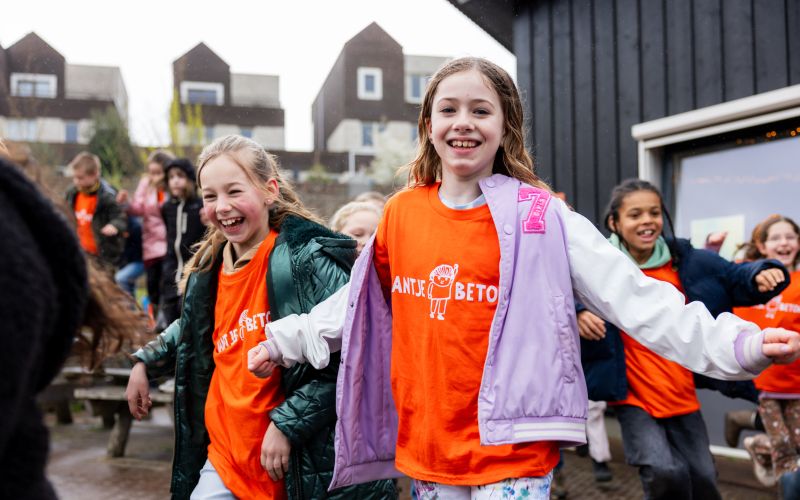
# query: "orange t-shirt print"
{"type": "Point", "coordinates": [657, 385]}
{"type": "Point", "coordinates": [238, 403]}
{"type": "Point", "coordinates": [441, 268]}
{"type": "Point", "coordinates": [85, 206]}
{"type": "Point", "coordinates": [783, 311]}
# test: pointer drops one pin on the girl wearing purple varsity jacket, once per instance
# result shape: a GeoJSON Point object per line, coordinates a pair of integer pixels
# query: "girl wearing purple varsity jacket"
{"type": "Point", "coordinates": [531, 387]}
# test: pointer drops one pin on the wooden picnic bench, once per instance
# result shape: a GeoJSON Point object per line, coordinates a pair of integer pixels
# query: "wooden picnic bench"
{"type": "Point", "coordinates": [110, 403]}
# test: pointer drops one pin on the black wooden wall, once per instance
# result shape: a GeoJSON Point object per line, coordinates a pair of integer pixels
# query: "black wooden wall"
{"type": "Point", "coordinates": [590, 69]}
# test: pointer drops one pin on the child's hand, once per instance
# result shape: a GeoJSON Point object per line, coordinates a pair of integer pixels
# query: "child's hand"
{"type": "Point", "coordinates": [768, 279]}
{"type": "Point", "coordinates": [138, 392]}
{"type": "Point", "coordinates": [122, 197]}
{"type": "Point", "coordinates": [783, 346]}
{"type": "Point", "coordinates": [109, 230]}
{"type": "Point", "coordinates": [275, 450]}
{"type": "Point", "coordinates": [591, 326]}
{"type": "Point", "coordinates": [258, 362]}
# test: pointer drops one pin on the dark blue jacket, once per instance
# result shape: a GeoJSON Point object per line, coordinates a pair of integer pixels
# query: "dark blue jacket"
{"type": "Point", "coordinates": [705, 277]}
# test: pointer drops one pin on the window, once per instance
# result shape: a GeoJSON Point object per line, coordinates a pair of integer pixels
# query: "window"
{"type": "Point", "coordinates": [22, 129]}
{"type": "Point", "coordinates": [731, 187]}
{"type": "Point", "coordinates": [33, 85]}
{"type": "Point", "coordinates": [247, 132]}
{"type": "Point", "coordinates": [206, 93]}
{"type": "Point", "coordinates": [415, 88]}
{"type": "Point", "coordinates": [200, 96]}
{"type": "Point", "coordinates": [370, 84]}
{"type": "Point", "coordinates": [209, 130]}
{"type": "Point", "coordinates": [71, 132]}
{"type": "Point", "coordinates": [367, 134]}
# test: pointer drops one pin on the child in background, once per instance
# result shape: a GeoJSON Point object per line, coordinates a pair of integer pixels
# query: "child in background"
{"type": "Point", "coordinates": [131, 265]}
{"type": "Point", "coordinates": [146, 203]}
{"type": "Point", "coordinates": [181, 213]}
{"type": "Point", "coordinates": [654, 398]}
{"type": "Point", "coordinates": [357, 219]}
{"type": "Point", "coordinates": [779, 386]}
{"type": "Point", "coordinates": [374, 197]}
{"type": "Point", "coordinates": [477, 404]}
{"type": "Point", "coordinates": [265, 257]}
{"type": "Point", "coordinates": [100, 221]}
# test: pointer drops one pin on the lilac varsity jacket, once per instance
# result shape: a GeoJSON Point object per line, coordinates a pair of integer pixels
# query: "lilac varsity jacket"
{"type": "Point", "coordinates": [533, 387]}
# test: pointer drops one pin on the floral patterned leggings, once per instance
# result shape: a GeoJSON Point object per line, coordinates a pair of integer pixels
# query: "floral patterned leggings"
{"type": "Point", "coordinates": [528, 488]}
{"type": "Point", "coordinates": [781, 419]}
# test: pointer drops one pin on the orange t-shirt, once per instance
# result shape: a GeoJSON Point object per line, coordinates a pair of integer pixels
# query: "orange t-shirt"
{"type": "Point", "coordinates": [441, 267]}
{"type": "Point", "coordinates": [783, 311]}
{"type": "Point", "coordinates": [85, 206]}
{"type": "Point", "coordinates": [238, 403]}
{"type": "Point", "coordinates": [657, 385]}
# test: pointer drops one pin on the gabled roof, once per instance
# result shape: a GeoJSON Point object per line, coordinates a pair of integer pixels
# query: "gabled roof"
{"type": "Point", "coordinates": [201, 54]}
{"type": "Point", "coordinates": [32, 50]}
{"type": "Point", "coordinates": [372, 34]}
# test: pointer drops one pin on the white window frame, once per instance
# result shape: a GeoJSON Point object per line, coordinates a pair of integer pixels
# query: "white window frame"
{"type": "Point", "coordinates": [409, 85]}
{"type": "Point", "coordinates": [365, 95]}
{"type": "Point", "coordinates": [219, 88]}
{"type": "Point", "coordinates": [747, 112]}
{"type": "Point", "coordinates": [52, 80]}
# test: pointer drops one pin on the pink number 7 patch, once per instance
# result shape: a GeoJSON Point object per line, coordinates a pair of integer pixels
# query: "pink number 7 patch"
{"type": "Point", "coordinates": [534, 222]}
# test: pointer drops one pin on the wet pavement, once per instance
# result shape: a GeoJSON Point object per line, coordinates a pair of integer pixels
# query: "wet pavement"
{"type": "Point", "coordinates": [80, 470]}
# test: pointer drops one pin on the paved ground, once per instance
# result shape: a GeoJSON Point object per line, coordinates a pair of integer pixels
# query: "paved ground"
{"type": "Point", "coordinates": [80, 470]}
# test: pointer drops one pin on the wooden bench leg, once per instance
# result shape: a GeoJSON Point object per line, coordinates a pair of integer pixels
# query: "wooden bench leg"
{"type": "Point", "coordinates": [120, 432]}
{"type": "Point", "coordinates": [63, 412]}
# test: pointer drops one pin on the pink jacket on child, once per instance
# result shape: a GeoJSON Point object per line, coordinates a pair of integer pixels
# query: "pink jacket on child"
{"type": "Point", "coordinates": [154, 232]}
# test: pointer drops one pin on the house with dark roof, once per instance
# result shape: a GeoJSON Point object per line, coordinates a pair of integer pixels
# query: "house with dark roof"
{"type": "Point", "coordinates": [231, 103]}
{"type": "Point", "coordinates": [43, 99]}
{"type": "Point", "coordinates": [371, 94]}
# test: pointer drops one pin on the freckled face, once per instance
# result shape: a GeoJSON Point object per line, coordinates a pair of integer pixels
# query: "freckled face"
{"type": "Point", "coordinates": [234, 205]}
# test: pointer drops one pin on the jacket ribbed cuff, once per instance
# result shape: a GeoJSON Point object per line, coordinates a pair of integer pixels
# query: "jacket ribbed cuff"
{"type": "Point", "coordinates": [748, 348]}
{"type": "Point", "coordinates": [274, 351]}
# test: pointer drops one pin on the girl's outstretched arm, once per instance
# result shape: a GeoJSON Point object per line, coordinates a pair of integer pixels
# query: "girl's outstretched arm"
{"type": "Point", "coordinates": [655, 313]}
{"type": "Point", "coordinates": [304, 338]}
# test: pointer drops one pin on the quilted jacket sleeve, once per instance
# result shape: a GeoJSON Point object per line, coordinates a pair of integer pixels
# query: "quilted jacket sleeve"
{"type": "Point", "coordinates": [158, 355]}
{"type": "Point", "coordinates": [310, 408]}
{"type": "Point", "coordinates": [311, 404]}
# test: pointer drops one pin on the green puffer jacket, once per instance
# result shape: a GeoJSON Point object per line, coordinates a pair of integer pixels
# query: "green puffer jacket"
{"type": "Point", "coordinates": [307, 265]}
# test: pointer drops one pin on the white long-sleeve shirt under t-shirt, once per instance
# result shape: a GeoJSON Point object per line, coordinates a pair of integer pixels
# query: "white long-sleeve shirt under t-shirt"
{"type": "Point", "coordinates": [605, 281]}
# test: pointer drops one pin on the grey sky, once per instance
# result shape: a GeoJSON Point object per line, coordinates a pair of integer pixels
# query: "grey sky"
{"type": "Point", "coordinates": [298, 40]}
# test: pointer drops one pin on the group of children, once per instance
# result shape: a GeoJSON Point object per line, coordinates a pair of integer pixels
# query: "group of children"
{"type": "Point", "coordinates": [449, 349]}
{"type": "Point", "coordinates": [151, 232]}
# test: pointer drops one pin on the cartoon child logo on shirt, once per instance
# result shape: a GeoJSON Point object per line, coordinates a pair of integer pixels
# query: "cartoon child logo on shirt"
{"type": "Point", "coordinates": [440, 288]}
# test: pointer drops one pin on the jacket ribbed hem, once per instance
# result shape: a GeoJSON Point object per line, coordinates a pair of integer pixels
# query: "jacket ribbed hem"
{"type": "Point", "coordinates": [365, 472]}
{"type": "Point", "coordinates": [566, 431]}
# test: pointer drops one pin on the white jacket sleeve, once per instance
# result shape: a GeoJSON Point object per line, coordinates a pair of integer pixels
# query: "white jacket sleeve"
{"type": "Point", "coordinates": [654, 313]}
{"type": "Point", "coordinates": [309, 338]}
